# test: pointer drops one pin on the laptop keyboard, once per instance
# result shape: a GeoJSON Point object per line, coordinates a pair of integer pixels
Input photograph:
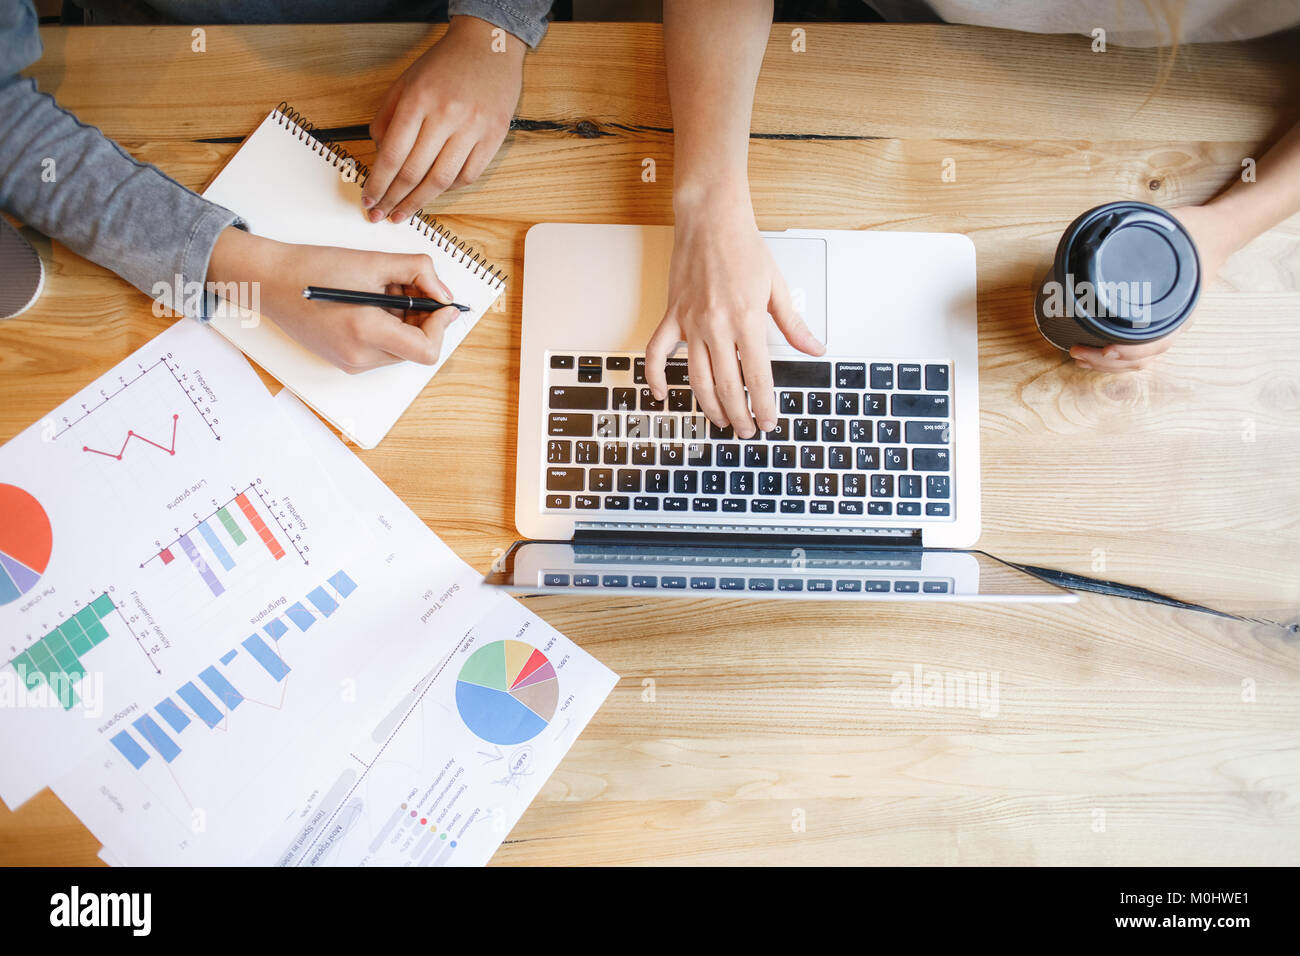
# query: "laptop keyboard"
{"type": "Point", "coordinates": [853, 439]}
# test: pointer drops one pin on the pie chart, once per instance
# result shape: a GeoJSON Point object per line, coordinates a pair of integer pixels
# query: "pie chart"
{"type": "Point", "coordinates": [506, 692]}
{"type": "Point", "coordinates": [25, 542]}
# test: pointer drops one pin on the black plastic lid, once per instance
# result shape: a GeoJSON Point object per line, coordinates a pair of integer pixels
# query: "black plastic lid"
{"type": "Point", "coordinates": [1139, 262]}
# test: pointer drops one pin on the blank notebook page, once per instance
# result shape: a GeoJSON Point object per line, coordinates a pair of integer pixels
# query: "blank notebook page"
{"type": "Point", "coordinates": [289, 186]}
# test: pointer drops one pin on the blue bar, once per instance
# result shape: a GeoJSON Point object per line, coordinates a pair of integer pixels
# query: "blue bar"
{"type": "Point", "coordinates": [172, 714]}
{"type": "Point", "coordinates": [343, 584]}
{"type": "Point", "coordinates": [268, 658]}
{"type": "Point", "coordinates": [225, 691]}
{"type": "Point", "coordinates": [301, 616]}
{"type": "Point", "coordinates": [324, 603]}
{"type": "Point", "coordinates": [129, 749]}
{"type": "Point", "coordinates": [217, 547]}
{"type": "Point", "coordinates": [229, 656]}
{"type": "Point", "coordinates": [276, 629]}
{"type": "Point", "coordinates": [157, 738]}
{"type": "Point", "coordinates": [200, 704]}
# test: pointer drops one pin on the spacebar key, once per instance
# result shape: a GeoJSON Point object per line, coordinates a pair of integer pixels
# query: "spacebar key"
{"type": "Point", "coordinates": [801, 374]}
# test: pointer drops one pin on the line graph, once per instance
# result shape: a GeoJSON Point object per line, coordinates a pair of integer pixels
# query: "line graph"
{"type": "Point", "coordinates": [169, 449]}
{"type": "Point", "coordinates": [107, 392]}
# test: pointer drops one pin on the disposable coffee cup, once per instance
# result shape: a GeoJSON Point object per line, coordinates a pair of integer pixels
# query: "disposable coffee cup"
{"type": "Point", "coordinates": [1124, 273]}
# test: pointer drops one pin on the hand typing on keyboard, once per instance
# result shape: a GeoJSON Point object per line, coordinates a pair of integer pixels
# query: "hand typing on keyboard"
{"type": "Point", "coordinates": [723, 284]}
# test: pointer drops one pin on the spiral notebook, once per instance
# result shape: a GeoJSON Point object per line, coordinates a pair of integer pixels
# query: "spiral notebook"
{"type": "Point", "coordinates": [289, 184]}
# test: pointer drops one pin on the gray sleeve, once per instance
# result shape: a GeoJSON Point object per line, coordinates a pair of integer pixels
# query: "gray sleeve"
{"type": "Point", "coordinates": [69, 181]}
{"type": "Point", "coordinates": [526, 19]}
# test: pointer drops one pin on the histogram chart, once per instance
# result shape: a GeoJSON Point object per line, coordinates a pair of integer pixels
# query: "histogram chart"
{"type": "Point", "coordinates": [55, 659]}
{"type": "Point", "coordinates": [255, 670]}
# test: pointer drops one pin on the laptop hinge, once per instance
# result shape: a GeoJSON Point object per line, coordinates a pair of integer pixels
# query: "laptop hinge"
{"type": "Point", "coordinates": [649, 532]}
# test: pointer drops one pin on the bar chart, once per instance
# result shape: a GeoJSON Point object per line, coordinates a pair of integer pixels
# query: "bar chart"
{"type": "Point", "coordinates": [55, 659]}
{"type": "Point", "coordinates": [211, 697]}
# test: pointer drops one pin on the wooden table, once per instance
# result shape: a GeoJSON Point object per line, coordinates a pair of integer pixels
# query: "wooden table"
{"type": "Point", "coordinates": [1126, 732]}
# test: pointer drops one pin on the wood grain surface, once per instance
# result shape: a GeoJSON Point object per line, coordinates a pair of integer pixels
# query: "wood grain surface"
{"type": "Point", "coordinates": [1123, 732]}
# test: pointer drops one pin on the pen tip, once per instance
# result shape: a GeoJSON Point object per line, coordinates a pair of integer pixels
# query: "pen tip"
{"type": "Point", "coordinates": [306, 293]}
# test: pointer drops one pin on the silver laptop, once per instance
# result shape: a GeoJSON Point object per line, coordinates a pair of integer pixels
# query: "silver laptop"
{"type": "Point", "coordinates": [867, 489]}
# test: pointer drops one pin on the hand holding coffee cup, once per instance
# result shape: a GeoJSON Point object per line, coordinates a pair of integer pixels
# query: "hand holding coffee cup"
{"type": "Point", "coordinates": [1126, 275]}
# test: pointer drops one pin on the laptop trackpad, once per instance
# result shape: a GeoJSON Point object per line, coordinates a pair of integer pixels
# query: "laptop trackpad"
{"type": "Point", "coordinates": [803, 263]}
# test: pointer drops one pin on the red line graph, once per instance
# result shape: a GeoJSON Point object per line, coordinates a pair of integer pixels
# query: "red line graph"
{"type": "Point", "coordinates": [171, 450]}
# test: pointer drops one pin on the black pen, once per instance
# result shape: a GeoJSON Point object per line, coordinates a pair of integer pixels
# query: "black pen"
{"type": "Point", "coordinates": [410, 303]}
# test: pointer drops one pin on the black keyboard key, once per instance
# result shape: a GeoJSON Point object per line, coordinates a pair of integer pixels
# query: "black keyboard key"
{"type": "Point", "coordinates": [731, 584]}
{"type": "Point", "coordinates": [561, 361]}
{"type": "Point", "coordinates": [868, 459]}
{"type": "Point", "coordinates": [832, 429]}
{"type": "Point", "coordinates": [920, 406]}
{"type": "Point", "coordinates": [564, 479]}
{"type": "Point", "coordinates": [629, 479]}
{"type": "Point", "coordinates": [649, 403]}
{"type": "Point", "coordinates": [821, 507]}
{"type": "Point", "coordinates": [613, 581]}
{"type": "Point", "coordinates": [636, 426]}
{"type": "Point", "coordinates": [780, 433]}
{"type": "Point", "coordinates": [616, 502]}
{"type": "Point", "coordinates": [796, 484]}
{"type": "Point", "coordinates": [850, 507]}
{"type": "Point", "coordinates": [618, 363]}
{"type": "Point", "coordinates": [801, 374]}
{"type": "Point", "coordinates": [882, 375]}
{"type": "Point", "coordinates": [805, 429]}
{"type": "Point", "coordinates": [721, 434]}
{"type": "Point", "coordinates": [909, 486]}
{"type": "Point", "coordinates": [887, 430]}
{"type": "Point", "coordinates": [713, 482]}
{"type": "Point", "coordinates": [704, 504]}
{"type": "Point", "coordinates": [672, 581]}
{"type": "Point", "coordinates": [586, 501]}
{"type": "Point", "coordinates": [625, 399]}
{"type": "Point", "coordinates": [569, 425]}
{"type": "Point", "coordinates": [638, 371]}
{"type": "Point", "coordinates": [699, 454]}
{"type": "Point", "coordinates": [685, 483]}
{"type": "Point", "coordinates": [643, 453]}
{"type": "Point", "coordinates": [855, 486]}
{"type": "Point", "coordinates": [909, 377]}
{"type": "Point", "coordinates": [848, 586]}
{"type": "Point", "coordinates": [676, 504]}
{"type": "Point", "coordinates": [935, 587]}
{"type": "Point", "coordinates": [579, 397]}
{"type": "Point", "coordinates": [614, 453]}
{"type": "Point", "coordinates": [672, 454]}
{"type": "Point", "coordinates": [839, 457]}
{"type": "Point", "coordinates": [555, 580]}
{"type": "Point", "coordinates": [642, 503]}
{"type": "Point", "coordinates": [663, 427]}
{"type": "Point", "coordinates": [895, 459]}
{"type": "Point", "coordinates": [906, 587]}
{"type": "Point", "coordinates": [790, 403]}
{"type": "Point", "coordinates": [936, 486]}
{"type": "Point", "coordinates": [586, 580]}
{"type": "Point", "coordinates": [559, 501]}
{"type": "Point", "coordinates": [755, 456]}
{"type": "Point", "coordinates": [600, 479]}
{"type": "Point", "coordinates": [559, 452]}
{"type": "Point", "coordinates": [909, 507]}
{"type": "Point", "coordinates": [846, 403]}
{"type": "Point", "coordinates": [792, 507]}
{"type": "Point", "coordinates": [850, 375]}
{"type": "Point", "coordinates": [764, 506]}
{"type": "Point", "coordinates": [789, 584]}
{"type": "Point", "coordinates": [930, 459]}
{"type": "Point", "coordinates": [586, 452]}
{"type": "Point", "coordinates": [937, 509]}
{"type": "Point", "coordinates": [656, 481]}
{"type": "Point", "coordinates": [703, 584]}
{"type": "Point", "coordinates": [783, 456]}
{"type": "Point", "coordinates": [769, 483]}
{"type": "Point", "coordinates": [742, 482]}
{"type": "Point", "coordinates": [819, 403]}
{"type": "Point", "coordinates": [826, 484]}
{"type": "Point", "coordinates": [728, 456]}
{"type": "Point", "coordinates": [875, 585]}
{"type": "Point", "coordinates": [880, 508]}
{"type": "Point", "coordinates": [859, 430]}
{"type": "Point", "coordinates": [928, 433]}
{"type": "Point", "coordinates": [680, 400]}
{"type": "Point", "coordinates": [645, 581]}
{"type": "Point", "coordinates": [936, 378]}
{"type": "Point", "coordinates": [676, 372]}
{"type": "Point", "coordinates": [873, 403]}
{"type": "Point", "coordinates": [733, 504]}
{"type": "Point", "coordinates": [811, 456]}
{"type": "Point", "coordinates": [589, 374]}
{"type": "Point", "coordinates": [607, 425]}
{"type": "Point", "coordinates": [589, 361]}
{"type": "Point", "coordinates": [761, 584]}
{"type": "Point", "coordinates": [882, 486]}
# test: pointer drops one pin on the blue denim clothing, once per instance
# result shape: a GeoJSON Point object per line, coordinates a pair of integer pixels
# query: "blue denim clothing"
{"type": "Point", "coordinates": [71, 182]}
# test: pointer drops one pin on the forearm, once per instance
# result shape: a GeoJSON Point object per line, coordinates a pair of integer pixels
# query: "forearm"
{"type": "Point", "coordinates": [713, 52]}
{"type": "Point", "coordinates": [525, 19]}
{"type": "Point", "coordinates": [1249, 209]}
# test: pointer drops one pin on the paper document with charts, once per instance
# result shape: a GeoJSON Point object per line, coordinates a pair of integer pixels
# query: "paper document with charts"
{"type": "Point", "coordinates": [419, 617]}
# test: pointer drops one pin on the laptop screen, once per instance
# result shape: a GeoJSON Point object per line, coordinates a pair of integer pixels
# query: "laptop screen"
{"type": "Point", "coordinates": [730, 570]}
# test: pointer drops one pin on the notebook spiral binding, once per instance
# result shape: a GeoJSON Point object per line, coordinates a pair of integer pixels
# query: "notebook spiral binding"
{"type": "Point", "coordinates": [338, 156]}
